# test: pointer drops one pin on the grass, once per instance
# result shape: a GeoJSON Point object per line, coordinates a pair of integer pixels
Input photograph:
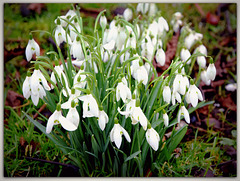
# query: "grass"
{"type": "Point", "coordinates": [22, 139]}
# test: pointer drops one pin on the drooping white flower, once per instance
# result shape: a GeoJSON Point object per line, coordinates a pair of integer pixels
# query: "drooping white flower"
{"type": "Point", "coordinates": [204, 77]}
{"type": "Point", "coordinates": [142, 7]}
{"type": "Point", "coordinates": [211, 71]}
{"type": "Point", "coordinates": [201, 60]}
{"type": "Point", "coordinates": [191, 39]}
{"type": "Point", "coordinates": [127, 14]}
{"type": "Point", "coordinates": [176, 21]}
{"type": "Point", "coordinates": [180, 84]}
{"type": "Point", "coordinates": [73, 116]}
{"type": "Point", "coordinates": [116, 135]}
{"type": "Point", "coordinates": [102, 119]}
{"type": "Point", "coordinates": [231, 87]}
{"type": "Point", "coordinates": [60, 35]}
{"type": "Point", "coordinates": [167, 94]}
{"type": "Point", "coordinates": [193, 94]}
{"type": "Point", "coordinates": [176, 96]}
{"type": "Point", "coordinates": [68, 16]}
{"type": "Point", "coordinates": [37, 88]}
{"type": "Point", "coordinates": [103, 21]}
{"type": "Point", "coordinates": [152, 9]}
{"type": "Point", "coordinates": [90, 106]}
{"type": "Point", "coordinates": [185, 55]}
{"type": "Point", "coordinates": [72, 30]}
{"type": "Point", "coordinates": [183, 112]}
{"type": "Point", "coordinates": [62, 77]}
{"type": "Point", "coordinates": [129, 108]}
{"type": "Point", "coordinates": [26, 88]}
{"type": "Point", "coordinates": [73, 97]}
{"type": "Point", "coordinates": [76, 49]}
{"type": "Point", "coordinates": [79, 81]}
{"type": "Point", "coordinates": [142, 75]}
{"type": "Point", "coordinates": [147, 48]}
{"type": "Point", "coordinates": [166, 119]}
{"type": "Point", "coordinates": [153, 29]}
{"type": "Point", "coordinates": [139, 116]}
{"type": "Point", "coordinates": [162, 25]}
{"type": "Point", "coordinates": [153, 138]}
{"type": "Point", "coordinates": [58, 118]}
{"type": "Point", "coordinates": [31, 49]}
{"type": "Point", "coordinates": [122, 91]}
{"type": "Point", "coordinates": [160, 56]}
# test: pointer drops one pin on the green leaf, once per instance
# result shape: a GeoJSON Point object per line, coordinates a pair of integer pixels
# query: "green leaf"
{"type": "Point", "coordinates": [63, 146]}
{"type": "Point", "coordinates": [132, 156]}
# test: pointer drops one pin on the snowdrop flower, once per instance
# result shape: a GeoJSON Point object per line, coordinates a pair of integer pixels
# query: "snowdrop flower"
{"type": "Point", "coordinates": [72, 99]}
{"type": "Point", "coordinates": [110, 45]}
{"type": "Point", "coordinates": [152, 9]}
{"type": "Point", "coordinates": [121, 37]}
{"type": "Point", "coordinates": [180, 83]}
{"type": "Point", "coordinates": [123, 91]}
{"type": "Point", "coordinates": [36, 88]}
{"type": "Point", "coordinates": [57, 118]}
{"type": "Point", "coordinates": [129, 108]}
{"type": "Point", "coordinates": [193, 94]}
{"type": "Point", "coordinates": [211, 71]}
{"type": "Point", "coordinates": [31, 49]}
{"type": "Point", "coordinates": [76, 49]}
{"type": "Point", "coordinates": [190, 40]}
{"type": "Point", "coordinates": [231, 87]}
{"type": "Point", "coordinates": [147, 49]}
{"type": "Point", "coordinates": [116, 134]}
{"type": "Point", "coordinates": [134, 67]}
{"type": "Point", "coordinates": [201, 60]}
{"type": "Point", "coordinates": [90, 106]}
{"type": "Point", "coordinates": [152, 138]}
{"type": "Point", "coordinates": [165, 118]}
{"type": "Point", "coordinates": [26, 88]}
{"type": "Point", "coordinates": [60, 35]}
{"type": "Point", "coordinates": [73, 115]}
{"type": "Point", "coordinates": [162, 25]}
{"type": "Point", "coordinates": [72, 30]}
{"type": "Point", "coordinates": [139, 116]}
{"type": "Point", "coordinates": [103, 21]}
{"type": "Point", "coordinates": [142, 75]}
{"type": "Point", "coordinates": [176, 21]}
{"type": "Point", "coordinates": [131, 42]}
{"type": "Point", "coordinates": [127, 14]}
{"type": "Point", "coordinates": [167, 94]}
{"type": "Point", "coordinates": [102, 119]}
{"type": "Point", "coordinates": [68, 16]}
{"type": "Point", "coordinates": [183, 112]}
{"type": "Point", "coordinates": [185, 55]}
{"type": "Point", "coordinates": [79, 80]}
{"type": "Point", "coordinates": [176, 96]}
{"type": "Point", "coordinates": [142, 7]}
{"type": "Point", "coordinates": [62, 77]}
{"type": "Point", "coordinates": [204, 77]}
{"type": "Point", "coordinates": [160, 56]}
{"type": "Point", "coordinates": [153, 29]}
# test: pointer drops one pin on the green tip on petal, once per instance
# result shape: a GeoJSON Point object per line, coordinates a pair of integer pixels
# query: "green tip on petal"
{"type": "Point", "coordinates": [100, 108]}
{"type": "Point", "coordinates": [58, 108]}
{"type": "Point", "coordinates": [115, 120]}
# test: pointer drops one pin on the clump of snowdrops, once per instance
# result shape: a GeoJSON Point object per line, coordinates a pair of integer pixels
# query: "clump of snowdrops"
{"type": "Point", "coordinates": [110, 109]}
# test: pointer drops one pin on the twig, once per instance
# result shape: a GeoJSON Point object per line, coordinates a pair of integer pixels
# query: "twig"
{"type": "Point", "coordinates": [40, 110]}
{"type": "Point", "coordinates": [52, 162]}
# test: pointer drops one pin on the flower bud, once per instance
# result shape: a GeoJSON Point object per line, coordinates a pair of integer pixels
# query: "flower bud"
{"type": "Point", "coordinates": [128, 14]}
{"type": "Point", "coordinates": [211, 71]}
{"type": "Point", "coordinates": [103, 21]}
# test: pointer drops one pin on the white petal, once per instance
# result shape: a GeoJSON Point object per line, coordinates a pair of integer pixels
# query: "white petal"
{"type": "Point", "coordinates": [35, 98]}
{"type": "Point", "coordinates": [125, 133]}
{"type": "Point", "coordinates": [110, 45]}
{"type": "Point", "coordinates": [26, 87]}
{"type": "Point", "coordinates": [66, 124]}
{"type": "Point", "coordinates": [117, 136]}
{"type": "Point", "coordinates": [186, 114]}
{"type": "Point", "coordinates": [73, 116]}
